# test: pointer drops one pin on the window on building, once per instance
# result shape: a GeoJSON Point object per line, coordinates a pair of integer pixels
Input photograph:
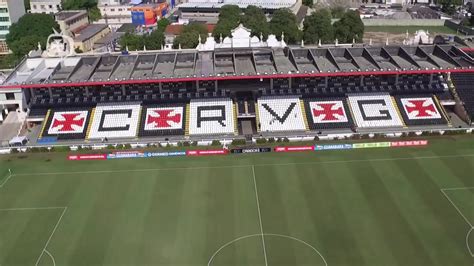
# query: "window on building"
{"type": "Point", "coordinates": [10, 96]}
{"type": "Point", "coordinates": [112, 9]}
{"type": "Point", "coordinates": [50, 6]}
{"type": "Point", "coordinates": [3, 10]}
{"type": "Point", "coordinates": [4, 27]}
{"type": "Point", "coordinates": [34, 6]}
{"type": "Point", "coordinates": [42, 6]}
{"type": "Point", "coordinates": [3, 19]}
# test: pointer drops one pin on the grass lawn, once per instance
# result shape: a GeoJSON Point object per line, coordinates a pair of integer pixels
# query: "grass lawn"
{"type": "Point", "coordinates": [400, 206]}
{"type": "Point", "coordinates": [410, 29]}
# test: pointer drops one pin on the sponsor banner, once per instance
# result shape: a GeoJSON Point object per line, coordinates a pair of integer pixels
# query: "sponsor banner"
{"type": "Point", "coordinates": [371, 145]}
{"type": "Point", "coordinates": [125, 154]}
{"type": "Point", "coordinates": [250, 150]}
{"type": "Point", "coordinates": [409, 143]}
{"type": "Point", "coordinates": [165, 154]}
{"type": "Point", "coordinates": [332, 147]}
{"type": "Point", "coordinates": [206, 152]}
{"type": "Point", "coordinates": [83, 157]}
{"type": "Point", "coordinates": [294, 148]}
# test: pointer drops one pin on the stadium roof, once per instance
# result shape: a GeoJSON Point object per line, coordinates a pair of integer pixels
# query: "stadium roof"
{"type": "Point", "coordinates": [231, 64]}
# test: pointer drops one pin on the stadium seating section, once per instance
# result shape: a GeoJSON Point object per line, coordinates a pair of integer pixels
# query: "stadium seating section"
{"type": "Point", "coordinates": [420, 110]}
{"type": "Point", "coordinates": [115, 121]}
{"type": "Point", "coordinates": [464, 82]}
{"type": "Point", "coordinates": [277, 114]}
{"type": "Point", "coordinates": [212, 117]}
{"type": "Point", "coordinates": [67, 123]}
{"type": "Point", "coordinates": [162, 120]}
{"type": "Point", "coordinates": [218, 116]}
{"type": "Point", "coordinates": [328, 113]}
{"type": "Point", "coordinates": [374, 111]}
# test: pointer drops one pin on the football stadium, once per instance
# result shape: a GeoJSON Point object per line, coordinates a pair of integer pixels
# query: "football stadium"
{"type": "Point", "coordinates": [341, 155]}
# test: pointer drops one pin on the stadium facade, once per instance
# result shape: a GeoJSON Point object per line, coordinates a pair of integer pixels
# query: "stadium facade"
{"type": "Point", "coordinates": [246, 92]}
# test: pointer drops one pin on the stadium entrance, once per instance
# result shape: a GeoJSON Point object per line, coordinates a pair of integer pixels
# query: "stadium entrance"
{"type": "Point", "coordinates": [246, 116]}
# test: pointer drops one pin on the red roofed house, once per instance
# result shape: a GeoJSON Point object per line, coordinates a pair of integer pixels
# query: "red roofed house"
{"type": "Point", "coordinates": [174, 30]}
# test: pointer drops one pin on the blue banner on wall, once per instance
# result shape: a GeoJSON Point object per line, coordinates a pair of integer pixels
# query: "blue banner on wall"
{"type": "Point", "coordinates": [138, 18]}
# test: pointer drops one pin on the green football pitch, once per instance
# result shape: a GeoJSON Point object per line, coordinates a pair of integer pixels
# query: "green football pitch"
{"type": "Point", "coordinates": [400, 206]}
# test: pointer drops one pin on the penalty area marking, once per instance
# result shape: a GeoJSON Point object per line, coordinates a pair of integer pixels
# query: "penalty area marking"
{"type": "Point", "coordinates": [52, 233]}
{"type": "Point", "coordinates": [35, 209]}
{"type": "Point", "coordinates": [267, 234]}
{"type": "Point", "coordinates": [50, 237]}
{"type": "Point", "coordinates": [460, 213]}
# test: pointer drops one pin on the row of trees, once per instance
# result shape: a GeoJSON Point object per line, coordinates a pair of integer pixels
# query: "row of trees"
{"type": "Point", "coordinates": [152, 41]}
{"type": "Point", "coordinates": [283, 21]}
{"type": "Point", "coordinates": [318, 26]}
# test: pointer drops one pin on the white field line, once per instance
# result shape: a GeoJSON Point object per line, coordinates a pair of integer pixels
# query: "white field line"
{"type": "Point", "coordinates": [51, 236]}
{"type": "Point", "coordinates": [51, 256]}
{"type": "Point", "coordinates": [457, 209]}
{"type": "Point", "coordinates": [467, 242]}
{"type": "Point", "coordinates": [275, 235]}
{"type": "Point", "coordinates": [462, 215]}
{"type": "Point", "coordinates": [32, 209]}
{"type": "Point", "coordinates": [6, 180]}
{"type": "Point", "coordinates": [456, 188]}
{"type": "Point", "coordinates": [249, 165]}
{"type": "Point", "coordinates": [259, 216]}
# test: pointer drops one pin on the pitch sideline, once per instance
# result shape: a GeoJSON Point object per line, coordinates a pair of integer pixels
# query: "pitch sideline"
{"type": "Point", "coordinates": [249, 165]}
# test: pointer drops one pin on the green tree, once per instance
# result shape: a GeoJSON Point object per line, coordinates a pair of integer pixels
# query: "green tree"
{"type": "Point", "coordinates": [318, 26]}
{"type": "Point", "coordinates": [284, 21]}
{"type": "Point", "coordinates": [28, 31]}
{"type": "Point", "coordinates": [338, 11]}
{"type": "Point", "coordinates": [349, 27]}
{"type": "Point", "coordinates": [154, 40]}
{"type": "Point", "coordinates": [254, 19]}
{"type": "Point", "coordinates": [78, 4]}
{"type": "Point", "coordinates": [449, 6]}
{"type": "Point", "coordinates": [229, 18]}
{"type": "Point", "coordinates": [132, 41]}
{"type": "Point", "coordinates": [162, 24]}
{"type": "Point", "coordinates": [230, 12]}
{"type": "Point", "coordinates": [189, 37]}
{"type": "Point", "coordinates": [90, 5]}
{"type": "Point", "coordinates": [309, 3]}
{"type": "Point", "coordinates": [94, 13]}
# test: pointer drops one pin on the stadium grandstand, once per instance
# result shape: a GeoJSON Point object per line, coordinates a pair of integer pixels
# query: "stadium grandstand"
{"type": "Point", "coordinates": [186, 94]}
